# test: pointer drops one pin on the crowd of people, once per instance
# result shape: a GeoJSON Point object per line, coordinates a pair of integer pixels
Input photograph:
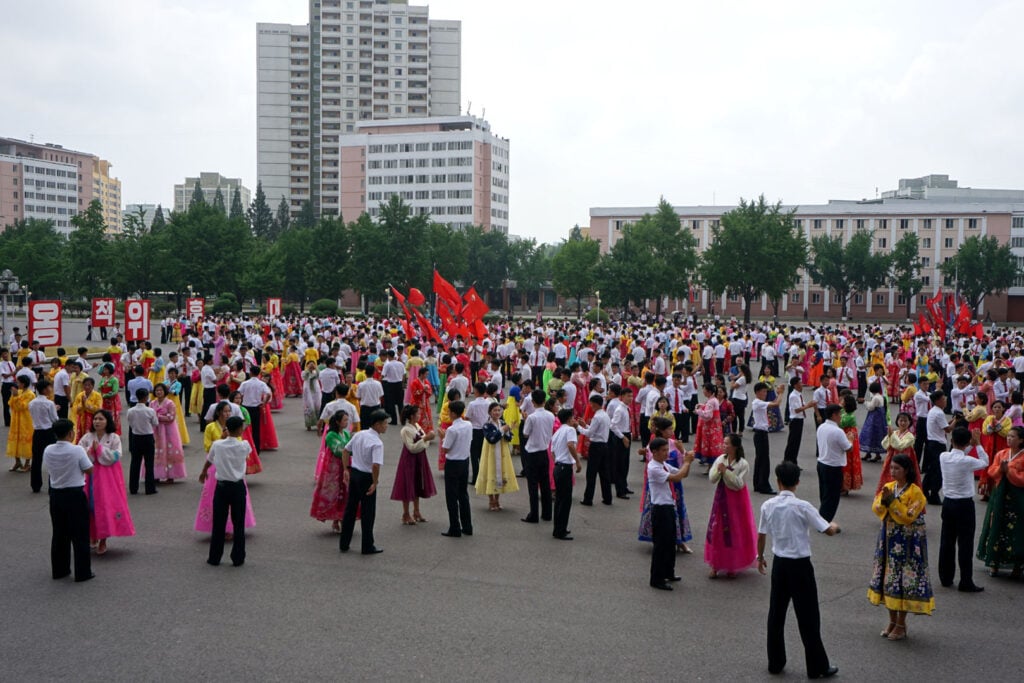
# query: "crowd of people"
{"type": "Point", "coordinates": [936, 414]}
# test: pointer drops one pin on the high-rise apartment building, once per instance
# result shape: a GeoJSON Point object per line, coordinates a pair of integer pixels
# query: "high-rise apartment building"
{"type": "Point", "coordinates": [108, 190]}
{"type": "Point", "coordinates": [356, 60]}
{"type": "Point", "coordinates": [451, 168]}
{"type": "Point", "coordinates": [209, 183]}
{"type": "Point", "coordinates": [148, 212]}
{"type": "Point", "coordinates": [44, 181]}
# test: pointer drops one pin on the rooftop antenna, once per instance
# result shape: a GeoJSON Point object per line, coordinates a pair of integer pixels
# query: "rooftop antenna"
{"type": "Point", "coordinates": [469, 108]}
{"type": "Point", "coordinates": [32, 137]}
{"type": "Point", "coordinates": [483, 113]}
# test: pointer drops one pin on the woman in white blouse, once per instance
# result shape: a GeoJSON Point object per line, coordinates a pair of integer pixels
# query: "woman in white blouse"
{"type": "Point", "coordinates": [731, 543]}
{"type": "Point", "coordinates": [413, 479]}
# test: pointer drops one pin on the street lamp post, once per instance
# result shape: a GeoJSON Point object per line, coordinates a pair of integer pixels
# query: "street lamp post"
{"type": "Point", "coordinates": [8, 285]}
{"type": "Point", "coordinates": [598, 319]}
{"type": "Point", "coordinates": [387, 293]}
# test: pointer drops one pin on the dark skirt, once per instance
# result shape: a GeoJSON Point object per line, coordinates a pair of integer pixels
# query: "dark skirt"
{"type": "Point", "coordinates": [1001, 542]}
{"type": "Point", "coordinates": [413, 478]}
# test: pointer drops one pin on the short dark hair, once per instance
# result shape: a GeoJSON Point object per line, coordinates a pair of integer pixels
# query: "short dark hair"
{"type": "Point", "coordinates": [564, 415]}
{"type": "Point", "coordinates": [597, 400]}
{"type": "Point", "coordinates": [378, 416]}
{"type": "Point", "coordinates": [456, 408]}
{"type": "Point", "coordinates": [760, 386]}
{"type": "Point", "coordinates": [788, 473]}
{"type": "Point", "coordinates": [903, 460]}
{"type": "Point", "coordinates": [234, 423]}
{"type": "Point", "coordinates": [62, 427]}
{"type": "Point", "coordinates": [656, 443]}
{"type": "Point", "coordinates": [960, 436]}
{"type": "Point", "coordinates": [830, 410]}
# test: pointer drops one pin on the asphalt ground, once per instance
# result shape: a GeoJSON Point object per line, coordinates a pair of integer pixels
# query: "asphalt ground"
{"type": "Point", "coordinates": [510, 603]}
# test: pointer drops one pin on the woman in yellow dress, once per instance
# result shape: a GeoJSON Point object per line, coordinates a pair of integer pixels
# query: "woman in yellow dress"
{"type": "Point", "coordinates": [174, 394]}
{"type": "Point", "coordinates": [86, 404]}
{"type": "Point", "coordinates": [19, 438]}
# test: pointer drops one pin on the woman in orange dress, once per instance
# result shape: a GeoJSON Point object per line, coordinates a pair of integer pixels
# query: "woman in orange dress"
{"type": "Point", "coordinates": [994, 432]}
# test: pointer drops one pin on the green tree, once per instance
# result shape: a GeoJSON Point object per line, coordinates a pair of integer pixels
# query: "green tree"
{"type": "Point", "coordinates": [488, 260]}
{"type": "Point", "coordinates": [755, 250]}
{"type": "Point", "coordinates": [618, 270]}
{"type": "Point", "coordinates": [158, 223]}
{"type": "Point", "coordinates": [448, 251]}
{"type": "Point", "coordinates": [377, 260]}
{"type": "Point", "coordinates": [982, 267]}
{"type": "Point", "coordinates": [207, 248]}
{"type": "Point", "coordinates": [574, 269]}
{"type": "Point", "coordinates": [307, 215]}
{"type": "Point", "coordinates": [134, 251]}
{"type": "Point", "coordinates": [905, 268]}
{"type": "Point", "coordinates": [261, 218]}
{"type": "Point", "coordinates": [237, 210]}
{"type": "Point", "coordinates": [529, 266]}
{"type": "Point", "coordinates": [284, 217]}
{"type": "Point", "coordinates": [847, 269]}
{"type": "Point", "coordinates": [34, 251]}
{"type": "Point", "coordinates": [198, 199]}
{"type": "Point", "coordinates": [218, 202]}
{"type": "Point", "coordinates": [87, 252]}
{"type": "Point", "coordinates": [327, 267]}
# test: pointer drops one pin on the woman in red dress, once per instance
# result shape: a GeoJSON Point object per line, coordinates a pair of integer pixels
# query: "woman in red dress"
{"type": "Point", "coordinates": [420, 393]}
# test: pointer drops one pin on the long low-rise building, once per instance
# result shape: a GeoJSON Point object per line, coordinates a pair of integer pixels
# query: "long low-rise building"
{"type": "Point", "coordinates": [941, 225]}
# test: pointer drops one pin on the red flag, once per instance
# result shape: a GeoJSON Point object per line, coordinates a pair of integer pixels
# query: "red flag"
{"type": "Point", "coordinates": [926, 326]}
{"type": "Point", "coordinates": [446, 291]}
{"type": "Point", "coordinates": [416, 297]}
{"type": "Point", "coordinates": [475, 308]}
{"type": "Point", "coordinates": [398, 295]}
{"type": "Point", "coordinates": [407, 328]}
{"type": "Point", "coordinates": [425, 326]}
{"type": "Point", "coordinates": [479, 329]}
{"type": "Point", "coordinates": [445, 314]}
{"type": "Point", "coordinates": [963, 320]}
{"type": "Point", "coordinates": [979, 331]}
{"type": "Point", "coordinates": [917, 330]}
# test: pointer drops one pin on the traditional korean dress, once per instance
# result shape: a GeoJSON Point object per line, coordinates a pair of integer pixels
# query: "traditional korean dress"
{"type": "Point", "coordinates": [82, 411]}
{"type": "Point", "coordinates": [853, 476]}
{"type": "Point", "coordinates": [708, 443]}
{"type": "Point", "coordinates": [292, 375]}
{"type": "Point", "coordinates": [496, 462]}
{"type": "Point", "coordinates": [109, 389]}
{"type": "Point", "coordinates": [204, 513]}
{"type": "Point", "coordinates": [108, 500]}
{"type": "Point", "coordinates": [731, 542]}
{"type": "Point", "coordinates": [413, 478]}
{"type": "Point", "coordinates": [330, 492]}
{"type": "Point", "coordinates": [1001, 541]}
{"type": "Point", "coordinates": [895, 443]}
{"type": "Point", "coordinates": [168, 459]}
{"type": "Point", "coordinates": [19, 437]}
{"type": "Point", "coordinates": [900, 579]}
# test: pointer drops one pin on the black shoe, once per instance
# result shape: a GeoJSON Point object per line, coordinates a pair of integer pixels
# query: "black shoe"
{"type": "Point", "coordinates": [238, 564]}
{"type": "Point", "coordinates": [152, 493]}
{"type": "Point", "coordinates": [583, 502]}
{"type": "Point", "coordinates": [212, 563]}
{"type": "Point", "coordinates": [606, 502]}
{"type": "Point", "coordinates": [373, 551]}
{"type": "Point", "coordinates": [467, 532]}
{"type": "Point", "coordinates": [90, 575]}
{"type": "Point", "coordinates": [768, 492]}
{"type": "Point", "coordinates": [344, 550]}
{"type": "Point", "coordinates": [934, 500]}
{"type": "Point", "coordinates": [675, 578]}
{"type": "Point", "coordinates": [630, 492]}
{"type": "Point", "coordinates": [948, 585]}
{"type": "Point", "coordinates": [529, 520]}
{"type": "Point", "coordinates": [452, 534]}
{"type": "Point", "coordinates": [521, 475]}
{"type": "Point", "coordinates": [971, 589]}
{"type": "Point", "coordinates": [828, 673]}
{"type": "Point", "coordinates": [36, 490]}
{"type": "Point", "coordinates": [622, 496]}
{"type": "Point", "coordinates": [563, 537]}
{"type": "Point", "coordinates": [662, 586]}
{"type": "Point", "coordinates": [545, 519]}
{"type": "Point", "coordinates": [57, 577]}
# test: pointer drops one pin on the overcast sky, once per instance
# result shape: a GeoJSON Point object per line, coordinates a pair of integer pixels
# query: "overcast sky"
{"type": "Point", "coordinates": [605, 103]}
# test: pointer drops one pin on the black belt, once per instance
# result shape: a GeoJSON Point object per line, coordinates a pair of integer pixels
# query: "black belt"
{"type": "Point", "coordinates": [562, 464]}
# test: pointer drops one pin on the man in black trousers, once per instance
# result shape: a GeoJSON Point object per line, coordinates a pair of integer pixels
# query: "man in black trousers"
{"type": "Point", "coordinates": [228, 456]}
{"type": "Point", "coordinates": [660, 477]}
{"type": "Point", "coordinates": [788, 520]}
{"type": "Point", "coordinates": [599, 465]}
{"type": "Point", "coordinates": [141, 442]}
{"type": "Point", "coordinates": [958, 522]}
{"type": "Point", "coordinates": [456, 443]}
{"type": "Point", "coordinates": [563, 444]}
{"type": "Point", "coordinates": [796, 409]}
{"type": "Point", "coordinates": [67, 465]}
{"type": "Point", "coordinates": [44, 414]}
{"type": "Point", "coordinates": [537, 432]}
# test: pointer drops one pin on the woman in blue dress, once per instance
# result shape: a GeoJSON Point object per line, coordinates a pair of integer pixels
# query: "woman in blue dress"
{"type": "Point", "coordinates": [664, 428]}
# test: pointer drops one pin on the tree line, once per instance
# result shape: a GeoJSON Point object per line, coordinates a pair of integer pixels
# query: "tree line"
{"type": "Point", "coordinates": [756, 250]}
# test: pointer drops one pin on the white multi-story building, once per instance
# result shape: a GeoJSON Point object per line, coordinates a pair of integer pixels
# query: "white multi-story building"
{"type": "Point", "coordinates": [209, 183]}
{"type": "Point", "coordinates": [452, 168]}
{"type": "Point", "coordinates": [49, 190]}
{"type": "Point", "coordinates": [356, 60]}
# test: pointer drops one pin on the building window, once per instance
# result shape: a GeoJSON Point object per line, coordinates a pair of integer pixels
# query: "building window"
{"type": "Point", "coordinates": [1016, 242]}
{"type": "Point", "coordinates": [815, 297]}
{"type": "Point", "coordinates": [879, 299]}
{"type": "Point", "coordinates": [734, 297]}
{"type": "Point", "coordinates": [922, 300]}
{"type": "Point", "coordinates": [948, 243]}
{"type": "Point", "coordinates": [839, 223]}
{"type": "Point", "coordinates": [883, 224]}
{"type": "Point", "coordinates": [926, 242]}
{"type": "Point", "coordinates": [817, 224]}
{"type": "Point", "coordinates": [836, 299]}
{"type": "Point", "coordinates": [1017, 221]}
{"type": "Point", "coordinates": [799, 223]}
{"type": "Point", "coordinates": [794, 297]}
{"type": "Point", "coordinates": [858, 299]}
{"type": "Point", "coordinates": [927, 223]}
{"type": "Point", "coordinates": [926, 261]}
{"type": "Point", "coordinates": [695, 225]}
{"type": "Point", "coordinates": [926, 280]}
{"type": "Point", "coordinates": [859, 224]}
{"type": "Point", "coordinates": [882, 242]}
{"type": "Point", "coordinates": [972, 223]}
{"type": "Point", "coordinates": [901, 300]}
{"type": "Point", "coordinates": [949, 223]}
{"type": "Point", "coordinates": [904, 223]}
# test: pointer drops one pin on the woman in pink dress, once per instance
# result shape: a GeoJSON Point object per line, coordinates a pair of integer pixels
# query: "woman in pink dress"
{"type": "Point", "coordinates": [168, 458]}
{"type": "Point", "coordinates": [268, 433]}
{"type": "Point", "coordinates": [331, 491]}
{"type": "Point", "coordinates": [708, 442]}
{"type": "Point", "coordinates": [108, 502]}
{"type": "Point", "coordinates": [204, 512]}
{"type": "Point", "coordinates": [731, 542]}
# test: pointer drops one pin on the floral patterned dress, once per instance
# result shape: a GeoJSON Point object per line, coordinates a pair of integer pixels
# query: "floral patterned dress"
{"type": "Point", "coordinates": [900, 577]}
{"type": "Point", "coordinates": [330, 493]}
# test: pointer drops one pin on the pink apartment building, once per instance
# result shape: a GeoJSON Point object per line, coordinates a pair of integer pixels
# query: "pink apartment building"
{"type": "Point", "coordinates": [43, 181]}
{"type": "Point", "coordinates": [450, 168]}
{"type": "Point", "coordinates": [942, 222]}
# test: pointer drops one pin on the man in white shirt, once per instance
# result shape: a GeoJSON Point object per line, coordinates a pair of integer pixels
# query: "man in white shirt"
{"type": "Point", "coordinates": [832, 449]}
{"type": "Point", "coordinates": [957, 539]}
{"type": "Point", "coordinates": [391, 375]}
{"type": "Point", "coordinates": [228, 456]}
{"type": "Point", "coordinates": [255, 393]}
{"type": "Point", "coordinates": [598, 462]}
{"type": "Point", "coordinates": [142, 421]}
{"type": "Point", "coordinates": [619, 441]}
{"type": "Point", "coordinates": [44, 415]}
{"type": "Point", "coordinates": [370, 393]}
{"type": "Point", "coordinates": [339, 403]}
{"type": "Point", "coordinates": [762, 460]}
{"type": "Point", "coordinates": [329, 380]}
{"type": "Point", "coordinates": [208, 381]}
{"type": "Point", "coordinates": [660, 477]}
{"type": "Point", "coordinates": [363, 457]}
{"type": "Point", "coordinates": [936, 428]}
{"type": "Point", "coordinates": [788, 520]}
{"type": "Point", "coordinates": [537, 430]}
{"type": "Point", "coordinates": [563, 445]}
{"type": "Point", "coordinates": [476, 414]}
{"type": "Point", "coordinates": [61, 385]}
{"type": "Point", "coordinates": [796, 408]}
{"type": "Point", "coordinates": [67, 465]}
{"type": "Point", "coordinates": [456, 442]}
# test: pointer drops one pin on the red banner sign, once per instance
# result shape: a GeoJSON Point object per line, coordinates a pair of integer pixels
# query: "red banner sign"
{"type": "Point", "coordinates": [274, 307]}
{"type": "Point", "coordinates": [196, 308]}
{"type": "Point", "coordinates": [44, 322]}
{"type": "Point", "coordinates": [136, 319]}
{"type": "Point", "coordinates": [103, 313]}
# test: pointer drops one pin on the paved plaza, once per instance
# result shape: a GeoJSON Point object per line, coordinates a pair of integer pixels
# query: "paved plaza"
{"type": "Point", "coordinates": [509, 603]}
